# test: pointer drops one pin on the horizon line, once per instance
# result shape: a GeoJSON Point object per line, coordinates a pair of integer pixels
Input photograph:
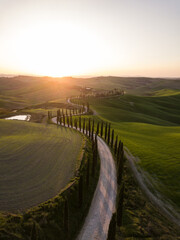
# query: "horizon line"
{"type": "Point", "coordinates": [84, 76]}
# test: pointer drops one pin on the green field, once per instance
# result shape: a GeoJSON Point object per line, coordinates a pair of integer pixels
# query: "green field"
{"type": "Point", "coordinates": [149, 127]}
{"type": "Point", "coordinates": [23, 91]}
{"type": "Point", "coordinates": [36, 160]}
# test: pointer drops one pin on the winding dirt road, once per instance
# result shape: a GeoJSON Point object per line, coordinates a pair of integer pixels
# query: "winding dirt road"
{"type": "Point", "coordinates": [103, 204]}
{"type": "Point", "coordinates": [166, 209]}
{"type": "Point", "coordinates": [104, 200]}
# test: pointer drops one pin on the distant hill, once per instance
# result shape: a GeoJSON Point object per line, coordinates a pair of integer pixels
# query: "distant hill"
{"type": "Point", "coordinates": [20, 91]}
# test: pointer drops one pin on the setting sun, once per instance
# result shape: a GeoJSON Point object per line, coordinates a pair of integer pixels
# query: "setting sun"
{"type": "Point", "coordinates": [54, 49]}
{"type": "Point", "coordinates": [60, 38]}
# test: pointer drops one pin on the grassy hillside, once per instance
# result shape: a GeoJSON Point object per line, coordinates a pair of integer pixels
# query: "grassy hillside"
{"type": "Point", "coordinates": [36, 162]}
{"type": "Point", "coordinates": [21, 91]}
{"type": "Point", "coordinates": [132, 85]}
{"type": "Point", "coordinates": [149, 127]}
{"type": "Point", "coordinates": [129, 108]}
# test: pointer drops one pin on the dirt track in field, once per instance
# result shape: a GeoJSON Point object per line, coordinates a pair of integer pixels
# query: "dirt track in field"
{"type": "Point", "coordinates": [104, 200]}
{"type": "Point", "coordinates": [165, 208]}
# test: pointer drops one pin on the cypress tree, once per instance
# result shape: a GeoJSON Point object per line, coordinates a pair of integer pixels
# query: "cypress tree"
{"type": "Point", "coordinates": [68, 120]}
{"type": "Point", "coordinates": [34, 234]}
{"type": "Point", "coordinates": [80, 191]}
{"type": "Point", "coordinates": [87, 174]}
{"type": "Point", "coordinates": [112, 228]}
{"type": "Point", "coordinates": [76, 123]}
{"type": "Point", "coordinates": [121, 146]}
{"type": "Point", "coordinates": [60, 120]}
{"type": "Point", "coordinates": [119, 150]}
{"type": "Point", "coordinates": [94, 156]}
{"type": "Point", "coordinates": [87, 107]}
{"type": "Point", "coordinates": [97, 132]}
{"type": "Point", "coordinates": [89, 127]}
{"type": "Point", "coordinates": [109, 132]}
{"type": "Point", "coordinates": [112, 138]}
{"type": "Point", "coordinates": [64, 120]}
{"type": "Point", "coordinates": [96, 145]}
{"type": "Point", "coordinates": [71, 122]}
{"type": "Point", "coordinates": [57, 114]}
{"type": "Point", "coordinates": [86, 129]}
{"type": "Point", "coordinates": [106, 132]}
{"type": "Point", "coordinates": [120, 168]}
{"type": "Point", "coordinates": [83, 125]}
{"type": "Point", "coordinates": [115, 145]}
{"type": "Point", "coordinates": [101, 129]}
{"type": "Point", "coordinates": [120, 206]}
{"type": "Point", "coordinates": [80, 123]}
{"type": "Point", "coordinates": [94, 162]}
{"type": "Point", "coordinates": [93, 143]}
{"type": "Point", "coordinates": [92, 130]}
{"type": "Point", "coordinates": [66, 217]}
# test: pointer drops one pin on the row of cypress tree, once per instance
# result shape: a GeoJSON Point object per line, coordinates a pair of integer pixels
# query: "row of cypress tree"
{"type": "Point", "coordinates": [67, 112]}
{"type": "Point", "coordinates": [83, 183]}
{"type": "Point", "coordinates": [87, 126]}
{"type": "Point", "coordinates": [81, 102]}
{"type": "Point", "coordinates": [104, 130]}
{"type": "Point", "coordinates": [84, 178]}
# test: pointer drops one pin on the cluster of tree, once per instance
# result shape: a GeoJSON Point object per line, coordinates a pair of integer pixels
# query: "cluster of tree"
{"type": "Point", "coordinates": [64, 112]}
{"type": "Point", "coordinates": [100, 94]}
{"type": "Point", "coordinates": [61, 113]}
{"type": "Point", "coordinates": [81, 102]}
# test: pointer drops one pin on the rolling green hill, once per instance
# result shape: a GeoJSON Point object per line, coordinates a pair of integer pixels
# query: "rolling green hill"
{"type": "Point", "coordinates": [129, 108]}
{"type": "Point", "coordinates": [132, 85]}
{"type": "Point", "coordinates": [150, 128]}
{"type": "Point", "coordinates": [36, 161]}
{"type": "Point", "coordinates": [22, 91]}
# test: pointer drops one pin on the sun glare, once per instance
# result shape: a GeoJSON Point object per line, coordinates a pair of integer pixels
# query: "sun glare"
{"type": "Point", "coordinates": [54, 49]}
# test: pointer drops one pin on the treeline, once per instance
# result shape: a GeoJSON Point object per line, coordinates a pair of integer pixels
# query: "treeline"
{"type": "Point", "coordinates": [101, 94]}
{"type": "Point", "coordinates": [68, 113]}
{"type": "Point", "coordinates": [92, 129]}
{"type": "Point", "coordinates": [104, 130]}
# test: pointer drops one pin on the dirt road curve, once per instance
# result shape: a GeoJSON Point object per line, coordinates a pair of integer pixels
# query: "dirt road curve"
{"type": "Point", "coordinates": [103, 204]}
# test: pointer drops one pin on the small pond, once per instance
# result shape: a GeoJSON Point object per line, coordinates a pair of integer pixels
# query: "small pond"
{"type": "Point", "coordinates": [20, 117]}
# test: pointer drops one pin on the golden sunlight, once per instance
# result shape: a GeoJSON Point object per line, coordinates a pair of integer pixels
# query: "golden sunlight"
{"type": "Point", "coordinates": [55, 49]}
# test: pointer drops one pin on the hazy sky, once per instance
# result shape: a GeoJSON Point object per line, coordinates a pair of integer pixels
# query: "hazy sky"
{"type": "Point", "coordinates": [90, 37]}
